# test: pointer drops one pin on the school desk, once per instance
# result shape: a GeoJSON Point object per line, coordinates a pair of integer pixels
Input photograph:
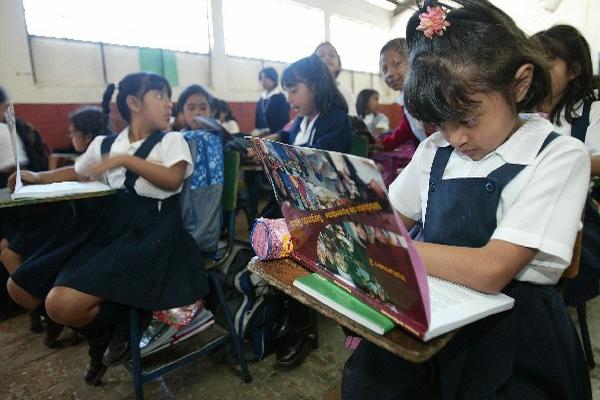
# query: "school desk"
{"type": "Point", "coordinates": [282, 273]}
{"type": "Point", "coordinates": [6, 201]}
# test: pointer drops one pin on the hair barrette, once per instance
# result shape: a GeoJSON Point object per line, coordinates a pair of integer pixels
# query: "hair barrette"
{"type": "Point", "coordinates": [433, 22]}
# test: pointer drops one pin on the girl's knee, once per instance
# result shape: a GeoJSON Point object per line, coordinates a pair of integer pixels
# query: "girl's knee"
{"type": "Point", "coordinates": [20, 296]}
{"type": "Point", "coordinates": [11, 260]}
{"type": "Point", "coordinates": [69, 307]}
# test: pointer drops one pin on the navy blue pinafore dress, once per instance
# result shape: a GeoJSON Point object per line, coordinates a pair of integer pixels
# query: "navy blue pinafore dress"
{"type": "Point", "coordinates": [530, 352]}
{"type": "Point", "coordinates": [138, 252]}
{"type": "Point", "coordinates": [586, 285]}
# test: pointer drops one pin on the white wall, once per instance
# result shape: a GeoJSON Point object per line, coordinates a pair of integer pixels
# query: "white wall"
{"type": "Point", "coordinates": [72, 72]}
{"type": "Point", "coordinates": [532, 17]}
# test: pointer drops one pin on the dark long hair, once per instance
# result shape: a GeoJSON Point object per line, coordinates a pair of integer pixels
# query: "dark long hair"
{"type": "Point", "coordinates": [90, 121]}
{"type": "Point", "coordinates": [479, 52]}
{"type": "Point", "coordinates": [314, 73]}
{"type": "Point", "coordinates": [362, 101]}
{"type": "Point", "coordinates": [564, 42]}
{"type": "Point", "coordinates": [136, 84]}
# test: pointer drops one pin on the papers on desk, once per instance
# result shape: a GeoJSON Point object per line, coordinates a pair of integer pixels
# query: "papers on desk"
{"type": "Point", "coordinates": [59, 189]}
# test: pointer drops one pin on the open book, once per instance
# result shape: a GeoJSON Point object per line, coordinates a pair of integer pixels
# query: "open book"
{"type": "Point", "coordinates": [49, 190]}
{"type": "Point", "coordinates": [343, 228]}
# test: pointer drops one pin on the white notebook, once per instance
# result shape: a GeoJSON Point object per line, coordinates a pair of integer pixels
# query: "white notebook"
{"type": "Point", "coordinates": [59, 189]}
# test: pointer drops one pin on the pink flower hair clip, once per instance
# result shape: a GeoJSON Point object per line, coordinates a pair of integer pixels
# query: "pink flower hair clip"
{"type": "Point", "coordinates": [433, 22]}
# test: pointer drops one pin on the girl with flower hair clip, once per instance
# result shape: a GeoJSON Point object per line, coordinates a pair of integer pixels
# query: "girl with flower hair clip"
{"type": "Point", "coordinates": [501, 197]}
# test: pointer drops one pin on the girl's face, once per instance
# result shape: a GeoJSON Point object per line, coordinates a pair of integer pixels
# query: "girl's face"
{"type": "Point", "coordinates": [561, 75]}
{"type": "Point", "coordinates": [301, 99]}
{"type": "Point", "coordinates": [80, 140]}
{"type": "Point", "coordinates": [195, 106]}
{"type": "Point", "coordinates": [373, 103]}
{"type": "Point", "coordinates": [393, 69]}
{"type": "Point", "coordinates": [155, 109]}
{"type": "Point", "coordinates": [329, 56]}
{"type": "Point", "coordinates": [266, 83]}
{"type": "Point", "coordinates": [490, 125]}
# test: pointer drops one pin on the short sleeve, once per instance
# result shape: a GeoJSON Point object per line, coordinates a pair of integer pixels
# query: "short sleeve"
{"type": "Point", "coordinates": [592, 136]}
{"type": "Point", "coordinates": [174, 148]}
{"type": "Point", "coordinates": [405, 191]}
{"type": "Point", "coordinates": [546, 214]}
{"type": "Point", "coordinates": [383, 122]}
{"type": "Point", "coordinates": [90, 158]}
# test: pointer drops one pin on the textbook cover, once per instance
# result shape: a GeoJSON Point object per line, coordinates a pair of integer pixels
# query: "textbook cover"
{"type": "Point", "coordinates": [344, 228]}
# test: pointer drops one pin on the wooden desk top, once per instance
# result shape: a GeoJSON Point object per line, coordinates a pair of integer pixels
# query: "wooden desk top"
{"type": "Point", "coordinates": [6, 201]}
{"type": "Point", "coordinates": [282, 273]}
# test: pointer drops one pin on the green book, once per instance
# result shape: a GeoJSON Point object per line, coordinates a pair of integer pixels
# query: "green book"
{"type": "Point", "coordinates": [343, 302]}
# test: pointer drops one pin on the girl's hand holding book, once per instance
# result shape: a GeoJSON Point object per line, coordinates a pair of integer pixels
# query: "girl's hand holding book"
{"type": "Point", "coordinates": [28, 177]}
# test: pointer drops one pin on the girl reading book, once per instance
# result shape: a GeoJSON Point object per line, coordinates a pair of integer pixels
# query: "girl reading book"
{"type": "Point", "coordinates": [135, 251]}
{"type": "Point", "coordinates": [501, 198]}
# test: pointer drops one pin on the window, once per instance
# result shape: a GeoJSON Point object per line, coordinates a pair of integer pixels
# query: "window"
{"type": "Point", "coordinates": [274, 30]}
{"type": "Point", "coordinates": [180, 25]}
{"type": "Point", "coordinates": [357, 43]}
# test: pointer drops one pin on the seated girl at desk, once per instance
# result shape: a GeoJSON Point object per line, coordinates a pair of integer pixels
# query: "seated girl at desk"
{"type": "Point", "coordinates": [501, 197]}
{"type": "Point", "coordinates": [134, 252]}
{"type": "Point", "coordinates": [323, 123]}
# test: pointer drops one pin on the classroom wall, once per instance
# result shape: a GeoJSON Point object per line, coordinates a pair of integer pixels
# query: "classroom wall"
{"type": "Point", "coordinates": [50, 77]}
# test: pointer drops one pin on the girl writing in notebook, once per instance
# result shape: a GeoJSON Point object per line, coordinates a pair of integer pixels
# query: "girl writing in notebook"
{"type": "Point", "coordinates": [501, 196]}
{"type": "Point", "coordinates": [574, 110]}
{"type": "Point", "coordinates": [135, 251]}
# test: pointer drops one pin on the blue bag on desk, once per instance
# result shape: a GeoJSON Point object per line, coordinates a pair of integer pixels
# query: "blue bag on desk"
{"type": "Point", "coordinates": [200, 199]}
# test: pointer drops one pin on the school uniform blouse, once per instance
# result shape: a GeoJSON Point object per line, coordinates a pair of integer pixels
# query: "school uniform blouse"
{"type": "Point", "coordinates": [417, 127]}
{"type": "Point", "coordinates": [592, 137]}
{"type": "Point", "coordinates": [169, 151]}
{"type": "Point", "coordinates": [326, 132]}
{"type": "Point", "coordinates": [540, 208]}
{"type": "Point", "coordinates": [7, 158]}
{"type": "Point", "coordinates": [231, 126]}
{"type": "Point", "coordinates": [376, 121]}
{"type": "Point", "coordinates": [272, 111]}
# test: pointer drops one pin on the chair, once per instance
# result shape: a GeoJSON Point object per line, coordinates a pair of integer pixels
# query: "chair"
{"type": "Point", "coordinates": [228, 200]}
{"type": "Point", "coordinates": [359, 146]}
{"type": "Point", "coordinates": [570, 273]}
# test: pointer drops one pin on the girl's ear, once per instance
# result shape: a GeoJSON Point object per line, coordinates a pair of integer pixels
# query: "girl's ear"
{"type": "Point", "coordinates": [574, 71]}
{"type": "Point", "coordinates": [134, 103]}
{"type": "Point", "coordinates": [523, 78]}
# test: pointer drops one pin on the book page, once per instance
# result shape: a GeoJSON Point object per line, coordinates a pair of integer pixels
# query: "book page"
{"type": "Point", "coordinates": [453, 306]}
{"type": "Point", "coordinates": [59, 189]}
{"type": "Point", "coordinates": [344, 228]}
{"type": "Point", "coordinates": [10, 119]}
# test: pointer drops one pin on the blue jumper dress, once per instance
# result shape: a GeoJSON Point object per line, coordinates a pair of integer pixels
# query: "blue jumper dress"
{"type": "Point", "coordinates": [134, 252]}
{"type": "Point", "coordinates": [530, 352]}
{"type": "Point", "coordinates": [585, 286]}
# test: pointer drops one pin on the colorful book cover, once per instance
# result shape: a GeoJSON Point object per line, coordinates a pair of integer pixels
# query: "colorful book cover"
{"type": "Point", "coordinates": [344, 228]}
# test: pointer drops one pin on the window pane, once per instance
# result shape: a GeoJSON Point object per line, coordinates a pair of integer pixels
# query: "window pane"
{"type": "Point", "coordinates": [175, 25]}
{"type": "Point", "coordinates": [271, 29]}
{"type": "Point", "coordinates": [357, 43]}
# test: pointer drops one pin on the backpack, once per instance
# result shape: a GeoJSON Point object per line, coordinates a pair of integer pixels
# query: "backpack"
{"type": "Point", "coordinates": [256, 310]}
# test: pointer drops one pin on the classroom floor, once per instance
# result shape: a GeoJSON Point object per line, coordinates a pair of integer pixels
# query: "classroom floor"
{"type": "Point", "coordinates": [31, 371]}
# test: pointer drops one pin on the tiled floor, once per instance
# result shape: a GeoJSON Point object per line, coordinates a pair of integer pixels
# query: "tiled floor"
{"type": "Point", "coordinates": [30, 371]}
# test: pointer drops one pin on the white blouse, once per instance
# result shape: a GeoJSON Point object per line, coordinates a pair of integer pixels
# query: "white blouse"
{"type": "Point", "coordinates": [592, 136]}
{"type": "Point", "coordinates": [540, 208]}
{"type": "Point", "coordinates": [169, 151]}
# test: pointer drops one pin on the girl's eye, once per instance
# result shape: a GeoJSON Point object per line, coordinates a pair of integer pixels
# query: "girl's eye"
{"type": "Point", "coordinates": [470, 123]}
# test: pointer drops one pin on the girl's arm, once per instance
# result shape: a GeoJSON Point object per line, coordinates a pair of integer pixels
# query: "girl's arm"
{"type": "Point", "coordinates": [56, 175]}
{"type": "Point", "coordinates": [487, 269]}
{"type": "Point", "coordinates": [166, 178]}
{"type": "Point", "coordinates": [596, 165]}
